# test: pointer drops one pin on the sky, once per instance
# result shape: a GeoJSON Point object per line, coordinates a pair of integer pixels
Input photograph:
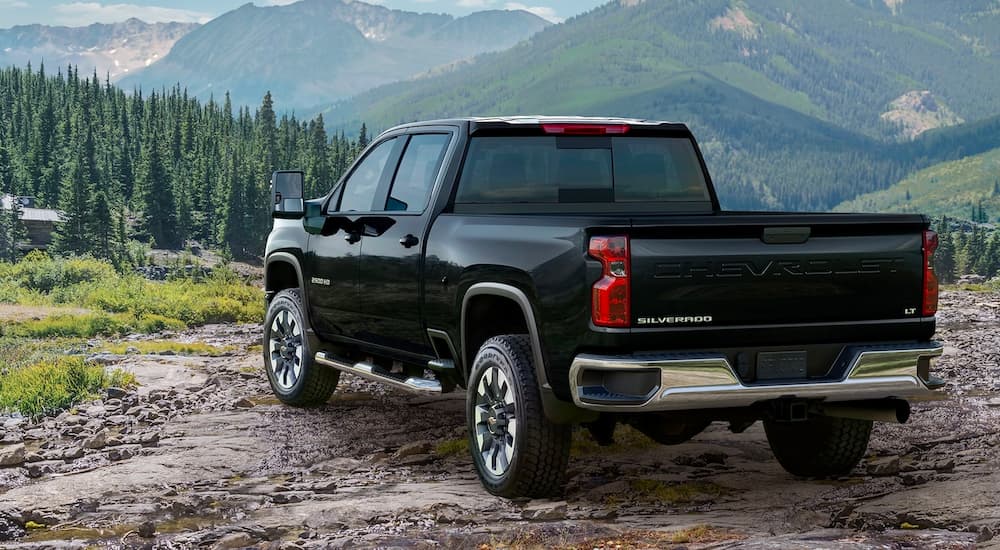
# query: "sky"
{"type": "Point", "coordinates": [80, 13]}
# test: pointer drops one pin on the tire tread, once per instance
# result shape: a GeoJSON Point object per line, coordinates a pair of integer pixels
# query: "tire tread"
{"type": "Point", "coordinates": [318, 382]}
{"type": "Point", "coordinates": [545, 446]}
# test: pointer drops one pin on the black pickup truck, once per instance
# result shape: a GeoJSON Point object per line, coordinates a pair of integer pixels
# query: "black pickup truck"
{"type": "Point", "coordinates": [570, 271]}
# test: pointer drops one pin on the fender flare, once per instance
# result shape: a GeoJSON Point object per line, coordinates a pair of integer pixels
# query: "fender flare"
{"type": "Point", "coordinates": [557, 410]}
{"type": "Point", "coordinates": [289, 258]}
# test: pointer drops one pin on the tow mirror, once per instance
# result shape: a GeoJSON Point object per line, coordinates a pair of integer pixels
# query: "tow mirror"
{"type": "Point", "coordinates": [286, 195]}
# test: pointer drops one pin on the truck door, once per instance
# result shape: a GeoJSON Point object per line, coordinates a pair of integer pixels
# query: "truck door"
{"type": "Point", "coordinates": [392, 260]}
{"type": "Point", "coordinates": [333, 257]}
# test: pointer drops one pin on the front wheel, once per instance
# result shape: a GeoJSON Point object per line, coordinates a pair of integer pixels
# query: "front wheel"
{"type": "Point", "coordinates": [822, 446]}
{"type": "Point", "coordinates": [295, 378]}
{"type": "Point", "coordinates": [517, 451]}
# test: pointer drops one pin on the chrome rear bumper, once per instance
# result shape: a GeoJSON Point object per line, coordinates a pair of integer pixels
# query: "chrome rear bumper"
{"type": "Point", "coordinates": [708, 381]}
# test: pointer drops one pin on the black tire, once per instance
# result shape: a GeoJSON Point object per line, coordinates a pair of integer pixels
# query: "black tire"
{"type": "Point", "coordinates": [822, 446]}
{"type": "Point", "coordinates": [311, 384]}
{"type": "Point", "coordinates": [539, 449]}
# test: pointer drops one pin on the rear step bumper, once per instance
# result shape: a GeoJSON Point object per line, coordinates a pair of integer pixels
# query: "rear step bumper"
{"type": "Point", "coordinates": [378, 374]}
{"type": "Point", "coordinates": [672, 382]}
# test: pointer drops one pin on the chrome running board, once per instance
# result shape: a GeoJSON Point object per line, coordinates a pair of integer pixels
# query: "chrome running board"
{"type": "Point", "coordinates": [378, 374]}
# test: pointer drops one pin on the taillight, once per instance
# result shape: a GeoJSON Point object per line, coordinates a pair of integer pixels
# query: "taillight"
{"type": "Point", "coordinates": [586, 129]}
{"type": "Point", "coordinates": [611, 294]}
{"type": "Point", "coordinates": [930, 278]}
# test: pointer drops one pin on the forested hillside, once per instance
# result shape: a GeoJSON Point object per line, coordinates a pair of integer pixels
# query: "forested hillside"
{"type": "Point", "coordinates": [968, 188]}
{"type": "Point", "coordinates": [160, 168]}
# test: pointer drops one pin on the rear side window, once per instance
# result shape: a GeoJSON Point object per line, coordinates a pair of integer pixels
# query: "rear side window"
{"type": "Point", "coordinates": [417, 172]}
{"type": "Point", "coordinates": [581, 169]}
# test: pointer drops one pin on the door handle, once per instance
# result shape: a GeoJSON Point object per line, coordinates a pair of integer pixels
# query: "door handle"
{"type": "Point", "coordinates": [352, 238]}
{"type": "Point", "coordinates": [409, 241]}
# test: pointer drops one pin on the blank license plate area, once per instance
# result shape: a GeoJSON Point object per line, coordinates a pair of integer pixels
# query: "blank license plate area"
{"type": "Point", "coordinates": [777, 365]}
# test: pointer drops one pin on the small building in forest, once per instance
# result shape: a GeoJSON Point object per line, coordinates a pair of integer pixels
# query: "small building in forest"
{"type": "Point", "coordinates": [39, 223]}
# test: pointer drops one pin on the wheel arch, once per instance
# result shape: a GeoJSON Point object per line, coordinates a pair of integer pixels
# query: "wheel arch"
{"type": "Point", "coordinates": [507, 299]}
{"type": "Point", "coordinates": [281, 272]}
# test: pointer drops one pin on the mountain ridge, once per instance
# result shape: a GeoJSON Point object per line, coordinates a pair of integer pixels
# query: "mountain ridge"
{"type": "Point", "coordinates": [110, 49]}
{"type": "Point", "coordinates": [328, 49]}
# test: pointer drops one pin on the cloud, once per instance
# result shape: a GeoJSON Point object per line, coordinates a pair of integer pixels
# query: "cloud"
{"type": "Point", "coordinates": [474, 3]}
{"type": "Point", "coordinates": [84, 13]}
{"type": "Point", "coordinates": [544, 12]}
{"type": "Point", "coordinates": [13, 4]}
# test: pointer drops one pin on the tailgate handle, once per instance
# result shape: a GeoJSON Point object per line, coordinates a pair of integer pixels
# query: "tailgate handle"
{"type": "Point", "coordinates": [786, 235]}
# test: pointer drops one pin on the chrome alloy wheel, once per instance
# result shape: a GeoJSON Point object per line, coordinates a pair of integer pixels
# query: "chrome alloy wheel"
{"type": "Point", "coordinates": [286, 349]}
{"type": "Point", "coordinates": [496, 422]}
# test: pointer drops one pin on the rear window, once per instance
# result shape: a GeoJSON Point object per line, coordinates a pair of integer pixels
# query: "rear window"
{"type": "Point", "coordinates": [581, 169]}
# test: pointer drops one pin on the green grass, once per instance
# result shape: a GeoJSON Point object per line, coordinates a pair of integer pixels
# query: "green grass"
{"type": "Point", "coordinates": [121, 303]}
{"type": "Point", "coordinates": [92, 324]}
{"type": "Point", "coordinates": [452, 447]}
{"type": "Point", "coordinates": [627, 439]}
{"type": "Point", "coordinates": [152, 347]}
{"type": "Point", "coordinates": [654, 490]}
{"type": "Point", "coordinates": [74, 299]}
{"type": "Point", "coordinates": [50, 386]}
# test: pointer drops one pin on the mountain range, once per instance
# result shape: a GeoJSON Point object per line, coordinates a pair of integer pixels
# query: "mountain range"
{"type": "Point", "coordinates": [799, 105]}
{"type": "Point", "coordinates": [317, 51]}
{"type": "Point", "coordinates": [112, 50]}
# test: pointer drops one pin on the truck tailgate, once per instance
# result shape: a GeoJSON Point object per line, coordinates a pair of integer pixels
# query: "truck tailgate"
{"type": "Point", "coordinates": [776, 269]}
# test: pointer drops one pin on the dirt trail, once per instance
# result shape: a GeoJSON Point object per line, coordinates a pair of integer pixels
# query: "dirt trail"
{"type": "Point", "coordinates": [202, 456]}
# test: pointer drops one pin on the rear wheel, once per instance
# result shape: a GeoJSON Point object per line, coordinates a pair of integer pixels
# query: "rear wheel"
{"type": "Point", "coordinates": [288, 358]}
{"type": "Point", "coordinates": [517, 451]}
{"type": "Point", "coordinates": [822, 446]}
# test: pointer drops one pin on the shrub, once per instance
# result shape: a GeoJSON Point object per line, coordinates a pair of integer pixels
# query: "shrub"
{"type": "Point", "coordinates": [53, 385]}
{"type": "Point", "coordinates": [39, 272]}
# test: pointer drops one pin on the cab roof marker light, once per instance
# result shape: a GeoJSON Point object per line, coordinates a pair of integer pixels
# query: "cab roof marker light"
{"type": "Point", "coordinates": [586, 129]}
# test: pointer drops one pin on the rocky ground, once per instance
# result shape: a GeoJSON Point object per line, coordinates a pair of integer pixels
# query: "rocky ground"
{"type": "Point", "coordinates": [201, 456]}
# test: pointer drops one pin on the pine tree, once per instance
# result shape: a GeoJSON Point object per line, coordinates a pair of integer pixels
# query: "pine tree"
{"type": "Point", "coordinates": [72, 235]}
{"type": "Point", "coordinates": [183, 191]}
{"type": "Point", "coordinates": [12, 231]}
{"type": "Point", "coordinates": [6, 172]}
{"type": "Point", "coordinates": [944, 258]}
{"type": "Point", "coordinates": [158, 223]}
{"type": "Point", "coordinates": [363, 139]}
{"type": "Point", "coordinates": [962, 259]}
{"type": "Point", "coordinates": [991, 262]}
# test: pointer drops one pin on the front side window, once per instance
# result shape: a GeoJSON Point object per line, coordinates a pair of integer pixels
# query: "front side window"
{"type": "Point", "coordinates": [580, 169]}
{"type": "Point", "coordinates": [360, 187]}
{"type": "Point", "coordinates": [417, 172]}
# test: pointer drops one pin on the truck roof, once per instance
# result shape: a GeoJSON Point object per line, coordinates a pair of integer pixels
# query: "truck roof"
{"type": "Point", "coordinates": [537, 120]}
